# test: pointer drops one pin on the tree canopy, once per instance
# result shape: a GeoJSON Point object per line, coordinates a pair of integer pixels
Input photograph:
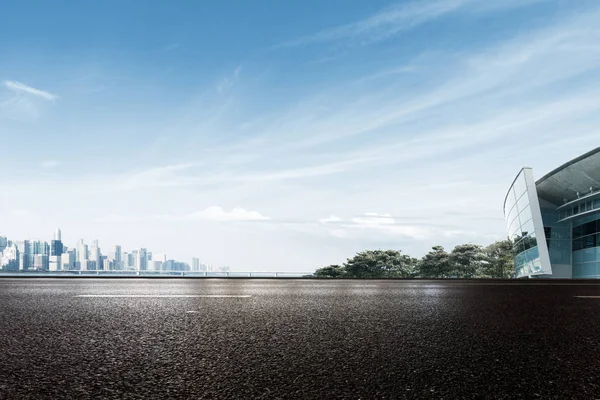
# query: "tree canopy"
{"type": "Point", "coordinates": [464, 261]}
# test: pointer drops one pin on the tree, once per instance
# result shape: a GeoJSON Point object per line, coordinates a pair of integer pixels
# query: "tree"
{"type": "Point", "coordinates": [435, 264]}
{"type": "Point", "coordinates": [331, 271]}
{"type": "Point", "coordinates": [500, 263]}
{"type": "Point", "coordinates": [380, 264]}
{"type": "Point", "coordinates": [466, 260]}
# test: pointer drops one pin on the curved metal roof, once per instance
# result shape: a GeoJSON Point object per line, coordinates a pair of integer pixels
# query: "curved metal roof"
{"type": "Point", "coordinates": [575, 176]}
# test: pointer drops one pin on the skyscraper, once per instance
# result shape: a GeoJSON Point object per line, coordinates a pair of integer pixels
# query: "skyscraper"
{"type": "Point", "coordinates": [56, 250]}
{"type": "Point", "coordinates": [141, 263]}
{"type": "Point", "coordinates": [68, 260]}
{"type": "Point", "coordinates": [24, 248]}
{"type": "Point", "coordinates": [9, 258]}
{"type": "Point", "coordinates": [81, 255]}
{"type": "Point", "coordinates": [40, 261]}
{"type": "Point", "coordinates": [95, 256]}
{"type": "Point", "coordinates": [116, 255]}
{"type": "Point", "coordinates": [3, 243]}
{"type": "Point", "coordinates": [195, 264]}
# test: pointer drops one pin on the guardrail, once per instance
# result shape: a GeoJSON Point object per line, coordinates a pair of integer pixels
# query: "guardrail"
{"type": "Point", "coordinates": [157, 274]}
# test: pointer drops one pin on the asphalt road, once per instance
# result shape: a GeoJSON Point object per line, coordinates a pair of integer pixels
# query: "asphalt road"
{"type": "Point", "coordinates": [298, 339]}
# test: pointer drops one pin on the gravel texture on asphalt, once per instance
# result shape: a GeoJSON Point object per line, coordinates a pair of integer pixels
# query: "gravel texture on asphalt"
{"type": "Point", "coordinates": [299, 339]}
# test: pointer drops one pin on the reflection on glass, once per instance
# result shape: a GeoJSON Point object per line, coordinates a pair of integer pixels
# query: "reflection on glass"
{"type": "Point", "coordinates": [527, 228]}
{"type": "Point", "coordinates": [525, 214]}
{"type": "Point", "coordinates": [522, 202]}
{"type": "Point", "coordinates": [510, 201]}
{"type": "Point", "coordinates": [520, 185]}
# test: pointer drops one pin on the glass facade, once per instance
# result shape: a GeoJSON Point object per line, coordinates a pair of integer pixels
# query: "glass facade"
{"type": "Point", "coordinates": [520, 224]}
{"type": "Point", "coordinates": [580, 208]}
{"type": "Point", "coordinates": [558, 236]}
{"type": "Point", "coordinates": [586, 246]}
{"type": "Point", "coordinates": [554, 223]}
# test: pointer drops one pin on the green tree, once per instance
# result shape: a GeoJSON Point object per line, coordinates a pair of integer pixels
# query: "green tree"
{"type": "Point", "coordinates": [435, 264]}
{"type": "Point", "coordinates": [330, 271]}
{"type": "Point", "coordinates": [500, 263]}
{"type": "Point", "coordinates": [466, 260]}
{"type": "Point", "coordinates": [380, 264]}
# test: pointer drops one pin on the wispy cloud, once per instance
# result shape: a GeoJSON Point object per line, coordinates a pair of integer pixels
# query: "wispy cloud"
{"type": "Point", "coordinates": [330, 219]}
{"type": "Point", "coordinates": [226, 84]}
{"type": "Point", "coordinates": [216, 213]}
{"type": "Point", "coordinates": [392, 20]}
{"type": "Point", "coordinates": [21, 87]}
{"type": "Point", "coordinates": [379, 224]}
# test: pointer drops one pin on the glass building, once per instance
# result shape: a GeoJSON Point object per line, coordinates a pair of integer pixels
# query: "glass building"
{"type": "Point", "coordinates": [554, 223]}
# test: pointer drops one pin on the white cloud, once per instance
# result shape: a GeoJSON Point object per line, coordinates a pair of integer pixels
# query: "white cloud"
{"type": "Point", "coordinates": [330, 219]}
{"type": "Point", "coordinates": [404, 16]}
{"type": "Point", "coordinates": [215, 213]}
{"type": "Point", "coordinates": [21, 87]}
{"type": "Point", "coordinates": [374, 219]}
{"type": "Point", "coordinates": [224, 85]}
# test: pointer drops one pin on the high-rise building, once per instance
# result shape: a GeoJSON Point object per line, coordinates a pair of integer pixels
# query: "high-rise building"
{"type": "Point", "coordinates": [141, 263]}
{"type": "Point", "coordinates": [95, 261]}
{"type": "Point", "coordinates": [107, 263]}
{"type": "Point", "coordinates": [24, 250]}
{"type": "Point", "coordinates": [9, 258]}
{"type": "Point", "coordinates": [39, 247]}
{"type": "Point", "coordinates": [56, 250]}
{"type": "Point", "coordinates": [195, 264]}
{"type": "Point", "coordinates": [116, 254]}
{"type": "Point", "coordinates": [3, 243]}
{"type": "Point", "coordinates": [125, 262]}
{"type": "Point", "coordinates": [40, 261]}
{"type": "Point", "coordinates": [68, 260]}
{"type": "Point", "coordinates": [81, 255]}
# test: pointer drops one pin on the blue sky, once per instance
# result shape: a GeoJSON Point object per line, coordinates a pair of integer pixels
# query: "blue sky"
{"type": "Point", "coordinates": [287, 135]}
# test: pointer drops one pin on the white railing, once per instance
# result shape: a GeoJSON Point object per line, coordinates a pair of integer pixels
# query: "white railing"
{"type": "Point", "coordinates": [165, 274]}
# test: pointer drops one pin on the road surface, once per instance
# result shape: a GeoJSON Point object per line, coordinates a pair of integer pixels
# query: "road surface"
{"type": "Point", "coordinates": [298, 339]}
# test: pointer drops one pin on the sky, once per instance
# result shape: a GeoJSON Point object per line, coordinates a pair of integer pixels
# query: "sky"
{"type": "Point", "coordinates": [286, 136]}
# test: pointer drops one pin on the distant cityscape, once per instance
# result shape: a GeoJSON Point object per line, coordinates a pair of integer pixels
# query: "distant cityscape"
{"type": "Point", "coordinates": [39, 255]}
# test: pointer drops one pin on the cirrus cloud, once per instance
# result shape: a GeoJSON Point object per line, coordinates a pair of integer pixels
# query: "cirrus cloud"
{"type": "Point", "coordinates": [21, 87]}
{"type": "Point", "coordinates": [216, 213]}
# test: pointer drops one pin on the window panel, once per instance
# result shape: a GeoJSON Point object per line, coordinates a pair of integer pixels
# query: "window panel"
{"type": "Point", "coordinates": [578, 231]}
{"type": "Point", "coordinates": [585, 270]}
{"type": "Point", "coordinates": [522, 202]}
{"type": "Point", "coordinates": [577, 257]}
{"type": "Point", "coordinates": [520, 186]}
{"type": "Point", "coordinates": [589, 241]}
{"type": "Point", "coordinates": [525, 214]}
{"type": "Point", "coordinates": [527, 227]}
{"type": "Point", "coordinates": [589, 228]}
{"type": "Point", "coordinates": [529, 242]}
{"type": "Point", "coordinates": [588, 254]}
{"type": "Point", "coordinates": [510, 200]}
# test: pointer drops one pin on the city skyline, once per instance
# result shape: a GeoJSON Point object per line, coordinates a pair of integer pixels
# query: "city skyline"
{"type": "Point", "coordinates": [53, 255]}
{"type": "Point", "coordinates": [285, 136]}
